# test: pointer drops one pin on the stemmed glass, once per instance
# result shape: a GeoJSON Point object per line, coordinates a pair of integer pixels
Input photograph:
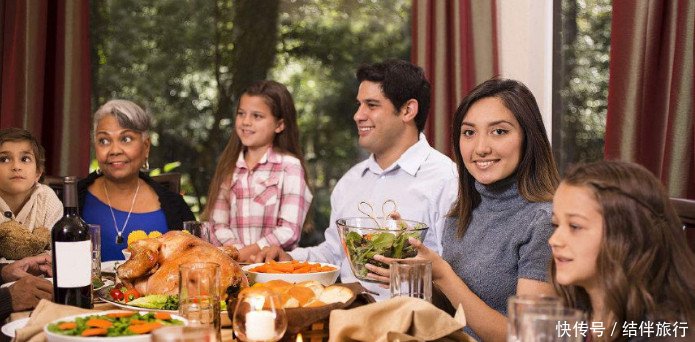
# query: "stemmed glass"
{"type": "Point", "coordinates": [259, 316]}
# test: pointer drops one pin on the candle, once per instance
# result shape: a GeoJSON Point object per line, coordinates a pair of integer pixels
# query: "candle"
{"type": "Point", "coordinates": [260, 326]}
{"type": "Point", "coordinates": [299, 338]}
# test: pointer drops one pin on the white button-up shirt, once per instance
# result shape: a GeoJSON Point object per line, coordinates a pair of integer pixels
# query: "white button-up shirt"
{"type": "Point", "coordinates": [424, 185]}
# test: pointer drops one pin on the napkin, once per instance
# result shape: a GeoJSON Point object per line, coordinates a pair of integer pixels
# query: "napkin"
{"type": "Point", "coordinates": [397, 319]}
{"type": "Point", "coordinates": [44, 313]}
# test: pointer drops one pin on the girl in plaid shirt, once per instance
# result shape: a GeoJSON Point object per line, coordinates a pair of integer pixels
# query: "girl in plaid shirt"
{"type": "Point", "coordinates": [259, 195]}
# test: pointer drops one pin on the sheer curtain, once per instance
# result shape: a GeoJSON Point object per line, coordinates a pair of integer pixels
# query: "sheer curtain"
{"type": "Point", "coordinates": [45, 78]}
{"type": "Point", "coordinates": [650, 116]}
{"type": "Point", "coordinates": [455, 42]}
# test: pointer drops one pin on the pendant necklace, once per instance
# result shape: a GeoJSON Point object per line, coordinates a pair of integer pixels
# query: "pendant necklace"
{"type": "Point", "coordinates": [119, 232]}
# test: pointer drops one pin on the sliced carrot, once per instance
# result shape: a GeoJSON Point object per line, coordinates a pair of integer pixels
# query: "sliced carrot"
{"type": "Point", "coordinates": [99, 323]}
{"type": "Point", "coordinates": [165, 316]}
{"type": "Point", "coordinates": [67, 325]}
{"type": "Point", "coordinates": [144, 328]}
{"type": "Point", "coordinates": [94, 332]}
{"type": "Point", "coordinates": [120, 314]}
{"type": "Point", "coordinates": [137, 321]}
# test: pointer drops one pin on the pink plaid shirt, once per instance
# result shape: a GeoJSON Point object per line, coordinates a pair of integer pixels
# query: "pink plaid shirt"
{"type": "Point", "coordinates": [265, 206]}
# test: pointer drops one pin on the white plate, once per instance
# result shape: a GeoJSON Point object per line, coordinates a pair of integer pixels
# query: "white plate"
{"type": "Point", "coordinates": [107, 282]}
{"type": "Point", "coordinates": [9, 328]}
{"type": "Point", "coordinates": [103, 294]}
{"type": "Point", "coordinates": [326, 278]}
{"type": "Point", "coordinates": [110, 266]}
{"type": "Point", "coordinates": [53, 337]}
{"type": "Point", "coordinates": [12, 282]}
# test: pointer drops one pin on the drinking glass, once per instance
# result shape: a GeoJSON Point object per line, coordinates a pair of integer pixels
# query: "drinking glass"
{"type": "Point", "coordinates": [201, 229]}
{"type": "Point", "coordinates": [259, 316]}
{"type": "Point", "coordinates": [412, 278]}
{"type": "Point", "coordinates": [199, 295]}
{"type": "Point", "coordinates": [518, 305]}
{"type": "Point", "coordinates": [552, 324]}
{"type": "Point", "coordinates": [183, 334]}
{"type": "Point", "coordinates": [95, 236]}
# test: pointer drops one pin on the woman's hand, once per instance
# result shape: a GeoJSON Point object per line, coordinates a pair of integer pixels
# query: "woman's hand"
{"type": "Point", "coordinates": [440, 268]}
{"type": "Point", "coordinates": [380, 274]}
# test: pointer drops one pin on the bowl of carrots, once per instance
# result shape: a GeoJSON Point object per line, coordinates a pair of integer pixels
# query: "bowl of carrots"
{"type": "Point", "coordinates": [292, 272]}
{"type": "Point", "coordinates": [114, 325]}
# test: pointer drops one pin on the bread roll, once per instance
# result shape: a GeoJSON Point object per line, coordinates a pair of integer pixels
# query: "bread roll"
{"type": "Point", "coordinates": [335, 294]}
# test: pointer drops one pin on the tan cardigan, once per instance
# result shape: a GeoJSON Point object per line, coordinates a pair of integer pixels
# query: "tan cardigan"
{"type": "Point", "coordinates": [43, 209]}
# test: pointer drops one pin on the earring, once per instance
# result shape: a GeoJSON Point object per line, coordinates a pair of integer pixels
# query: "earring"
{"type": "Point", "coordinates": [98, 171]}
{"type": "Point", "coordinates": [146, 166]}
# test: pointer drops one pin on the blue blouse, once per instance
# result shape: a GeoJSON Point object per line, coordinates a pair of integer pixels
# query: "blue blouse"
{"type": "Point", "coordinates": [98, 212]}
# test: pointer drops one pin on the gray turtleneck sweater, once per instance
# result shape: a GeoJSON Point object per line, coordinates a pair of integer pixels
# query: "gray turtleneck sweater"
{"type": "Point", "coordinates": [507, 239]}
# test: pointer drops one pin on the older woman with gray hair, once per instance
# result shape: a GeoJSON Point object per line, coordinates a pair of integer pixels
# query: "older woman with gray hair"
{"type": "Point", "coordinates": [119, 196]}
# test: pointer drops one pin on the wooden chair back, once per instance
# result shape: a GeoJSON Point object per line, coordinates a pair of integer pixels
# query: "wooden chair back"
{"type": "Point", "coordinates": [170, 180]}
{"type": "Point", "coordinates": [686, 211]}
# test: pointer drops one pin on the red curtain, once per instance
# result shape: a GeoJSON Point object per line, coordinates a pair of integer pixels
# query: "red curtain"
{"type": "Point", "coordinates": [45, 77]}
{"type": "Point", "coordinates": [455, 42]}
{"type": "Point", "coordinates": [650, 116]}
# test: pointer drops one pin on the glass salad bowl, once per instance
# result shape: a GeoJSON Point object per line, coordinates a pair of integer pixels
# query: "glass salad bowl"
{"type": "Point", "coordinates": [364, 237]}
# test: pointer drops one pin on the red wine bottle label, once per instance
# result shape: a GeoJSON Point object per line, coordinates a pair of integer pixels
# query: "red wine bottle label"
{"type": "Point", "coordinates": [73, 263]}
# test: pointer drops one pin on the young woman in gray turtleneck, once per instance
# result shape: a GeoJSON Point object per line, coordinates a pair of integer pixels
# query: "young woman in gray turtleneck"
{"type": "Point", "coordinates": [495, 242]}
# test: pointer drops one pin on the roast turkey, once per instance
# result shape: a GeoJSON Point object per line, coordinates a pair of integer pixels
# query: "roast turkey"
{"type": "Point", "coordinates": [153, 267]}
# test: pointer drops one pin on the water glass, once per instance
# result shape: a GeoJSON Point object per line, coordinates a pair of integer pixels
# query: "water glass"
{"type": "Point", "coordinates": [201, 229]}
{"type": "Point", "coordinates": [553, 324]}
{"type": "Point", "coordinates": [518, 305]}
{"type": "Point", "coordinates": [95, 236]}
{"type": "Point", "coordinates": [199, 295]}
{"type": "Point", "coordinates": [259, 316]}
{"type": "Point", "coordinates": [183, 334]}
{"type": "Point", "coordinates": [412, 278]}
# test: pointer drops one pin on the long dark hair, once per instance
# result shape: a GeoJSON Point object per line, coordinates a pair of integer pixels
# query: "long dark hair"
{"type": "Point", "coordinates": [645, 268]}
{"type": "Point", "coordinates": [280, 101]}
{"type": "Point", "coordinates": [537, 174]}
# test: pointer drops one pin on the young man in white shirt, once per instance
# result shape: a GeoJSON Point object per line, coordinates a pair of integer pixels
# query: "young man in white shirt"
{"type": "Point", "coordinates": [393, 99]}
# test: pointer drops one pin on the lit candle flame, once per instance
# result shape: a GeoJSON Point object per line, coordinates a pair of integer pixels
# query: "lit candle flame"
{"type": "Point", "coordinates": [299, 338]}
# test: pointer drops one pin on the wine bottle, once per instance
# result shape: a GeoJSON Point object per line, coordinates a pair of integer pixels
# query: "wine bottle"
{"type": "Point", "coordinates": [72, 253]}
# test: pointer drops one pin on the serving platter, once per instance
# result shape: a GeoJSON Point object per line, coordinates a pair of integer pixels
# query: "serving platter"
{"type": "Point", "coordinates": [103, 294]}
{"type": "Point", "coordinates": [107, 282]}
{"type": "Point", "coordinates": [110, 266]}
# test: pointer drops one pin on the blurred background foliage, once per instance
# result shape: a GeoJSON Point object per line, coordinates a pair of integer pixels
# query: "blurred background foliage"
{"type": "Point", "coordinates": [187, 61]}
{"type": "Point", "coordinates": [582, 67]}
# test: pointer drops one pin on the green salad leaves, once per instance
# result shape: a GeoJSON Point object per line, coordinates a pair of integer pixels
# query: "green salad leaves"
{"type": "Point", "coordinates": [389, 243]}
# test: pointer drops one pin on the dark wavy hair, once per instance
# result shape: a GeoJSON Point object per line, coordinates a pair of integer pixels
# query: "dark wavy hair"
{"type": "Point", "coordinates": [537, 175]}
{"type": "Point", "coordinates": [400, 81]}
{"type": "Point", "coordinates": [644, 266]}
{"type": "Point", "coordinates": [280, 101]}
{"type": "Point", "coordinates": [20, 134]}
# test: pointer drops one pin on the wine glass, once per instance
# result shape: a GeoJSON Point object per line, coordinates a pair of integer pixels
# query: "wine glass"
{"type": "Point", "coordinates": [259, 316]}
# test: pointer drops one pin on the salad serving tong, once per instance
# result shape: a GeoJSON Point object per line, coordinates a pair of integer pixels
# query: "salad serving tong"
{"type": "Point", "coordinates": [367, 209]}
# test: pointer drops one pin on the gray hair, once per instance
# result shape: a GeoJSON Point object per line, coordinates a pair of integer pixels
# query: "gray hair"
{"type": "Point", "coordinates": [128, 114]}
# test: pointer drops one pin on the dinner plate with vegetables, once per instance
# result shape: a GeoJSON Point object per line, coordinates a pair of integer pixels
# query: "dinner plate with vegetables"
{"type": "Point", "coordinates": [131, 299]}
{"type": "Point", "coordinates": [113, 325]}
